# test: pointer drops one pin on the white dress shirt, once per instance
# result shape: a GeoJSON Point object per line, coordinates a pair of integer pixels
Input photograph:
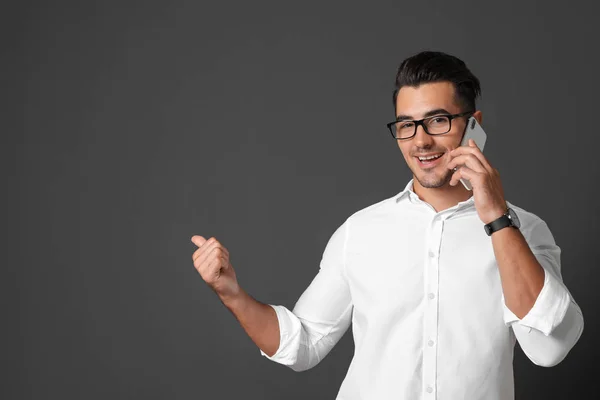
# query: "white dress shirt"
{"type": "Point", "coordinates": [423, 293]}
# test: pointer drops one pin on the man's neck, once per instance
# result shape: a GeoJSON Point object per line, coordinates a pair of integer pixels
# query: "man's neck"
{"type": "Point", "coordinates": [443, 197]}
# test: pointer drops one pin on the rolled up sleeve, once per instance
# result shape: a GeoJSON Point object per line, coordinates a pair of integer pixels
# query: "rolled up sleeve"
{"type": "Point", "coordinates": [548, 310]}
{"type": "Point", "coordinates": [289, 334]}
{"type": "Point", "coordinates": [321, 315]}
{"type": "Point", "coordinates": [555, 322]}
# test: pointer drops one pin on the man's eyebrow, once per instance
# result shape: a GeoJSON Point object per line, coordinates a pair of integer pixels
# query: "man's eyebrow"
{"type": "Point", "coordinates": [430, 113]}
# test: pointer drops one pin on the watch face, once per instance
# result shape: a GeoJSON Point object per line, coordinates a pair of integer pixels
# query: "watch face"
{"type": "Point", "coordinates": [488, 229]}
{"type": "Point", "coordinates": [514, 218]}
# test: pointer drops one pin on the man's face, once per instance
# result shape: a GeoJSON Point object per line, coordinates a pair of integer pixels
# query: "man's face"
{"type": "Point", "coordinates": [417, 103]}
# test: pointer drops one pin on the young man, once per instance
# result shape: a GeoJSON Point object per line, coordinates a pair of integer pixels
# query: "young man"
{"type": "Point", "coordinates": [437, 281]}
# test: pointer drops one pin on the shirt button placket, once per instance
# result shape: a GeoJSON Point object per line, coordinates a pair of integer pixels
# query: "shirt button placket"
{"type": "Point", "coordinates": [431, 307]}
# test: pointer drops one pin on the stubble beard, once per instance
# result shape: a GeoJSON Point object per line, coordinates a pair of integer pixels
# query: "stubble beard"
{"type": "Point", "coordinates": [433, 181]}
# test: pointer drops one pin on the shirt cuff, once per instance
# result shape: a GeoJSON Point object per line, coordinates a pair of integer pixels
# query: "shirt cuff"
{"type": "Point", "coordinates": [548, 310]}
{"type": "Point", "coordinates": [289, 336]}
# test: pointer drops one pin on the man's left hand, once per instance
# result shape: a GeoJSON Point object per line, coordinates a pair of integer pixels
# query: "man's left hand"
{"type": "Point", "coordinates": [485, 180]}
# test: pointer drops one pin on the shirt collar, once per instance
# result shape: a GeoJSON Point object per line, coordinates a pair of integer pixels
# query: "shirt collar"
{"type": "Point", "coordinates": [407, 192]}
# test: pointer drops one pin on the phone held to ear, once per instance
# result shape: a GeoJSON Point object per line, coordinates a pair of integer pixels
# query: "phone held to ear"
{"type": "Point", "coordinates": [473, 131]}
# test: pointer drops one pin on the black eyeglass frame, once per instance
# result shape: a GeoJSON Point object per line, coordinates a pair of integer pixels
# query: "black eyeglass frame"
{"type": "Point", "coordinates": [421, 122]}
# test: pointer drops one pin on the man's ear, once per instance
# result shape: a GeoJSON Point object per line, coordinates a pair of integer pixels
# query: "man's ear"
{"type": "Point", "coordinates": [478, 116]}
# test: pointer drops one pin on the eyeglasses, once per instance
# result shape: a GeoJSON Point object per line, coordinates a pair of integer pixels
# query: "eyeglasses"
{"type": "Point", "coordinates": [435, 125]}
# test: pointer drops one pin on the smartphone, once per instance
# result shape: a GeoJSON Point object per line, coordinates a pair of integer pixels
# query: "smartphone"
{"type": "Point", "coordinates": [473, 131]}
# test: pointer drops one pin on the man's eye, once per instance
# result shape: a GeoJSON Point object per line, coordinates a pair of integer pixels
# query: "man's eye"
{"type": "Point", "coordinates": [405, 125]}
{"type": "Point", "coordinates": [439, 120]}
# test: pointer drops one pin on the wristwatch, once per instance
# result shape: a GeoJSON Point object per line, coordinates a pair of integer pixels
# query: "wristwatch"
{"type": "Point", "coordinates": [509, 218]}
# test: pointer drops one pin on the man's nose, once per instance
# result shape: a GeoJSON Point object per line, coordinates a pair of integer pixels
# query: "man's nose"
{"type": "Point", "coordinates": [422, 138]}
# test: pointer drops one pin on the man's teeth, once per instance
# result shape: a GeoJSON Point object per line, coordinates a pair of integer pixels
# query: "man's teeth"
{"type": "Point", "coordinates": [429, 158]}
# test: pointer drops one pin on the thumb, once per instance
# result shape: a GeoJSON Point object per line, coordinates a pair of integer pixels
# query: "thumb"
{"type": "Point", "coordinates": [198, 240]}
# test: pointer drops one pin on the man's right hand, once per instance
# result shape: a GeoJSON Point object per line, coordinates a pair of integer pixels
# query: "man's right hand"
{"type": "Point", "coordinates": [259, 320]}
{"type": "Point", "coordinates": [211, 260]}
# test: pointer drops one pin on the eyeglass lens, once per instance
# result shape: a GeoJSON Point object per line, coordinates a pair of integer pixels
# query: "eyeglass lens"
{"type": "Point", "coordinates": [435, 125]}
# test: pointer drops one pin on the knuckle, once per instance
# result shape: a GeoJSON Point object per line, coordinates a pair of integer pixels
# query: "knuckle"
{"type": "Point", "coordinates": [214, 252]}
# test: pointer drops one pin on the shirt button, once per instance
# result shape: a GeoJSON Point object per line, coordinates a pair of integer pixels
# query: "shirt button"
{"type": "Point", "coordinates": [430, 343]}
{"type": "Point", "coordinates": [431, 295]}
{"type": "Point", "coordinates": [429, 389]}
{"type": "Point", "coordinates": [431, 254]}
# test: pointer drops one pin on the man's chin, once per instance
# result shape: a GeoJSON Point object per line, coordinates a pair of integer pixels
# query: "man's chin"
{"type": "Point", "coordinates": [433, 182]}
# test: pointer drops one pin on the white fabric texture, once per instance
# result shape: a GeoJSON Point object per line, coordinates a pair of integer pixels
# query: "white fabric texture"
{"type": "Point", "coordinates": [423, 293]}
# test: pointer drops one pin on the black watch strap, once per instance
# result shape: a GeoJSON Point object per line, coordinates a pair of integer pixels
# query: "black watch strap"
{"type": "Point", "coordinates": [497, 224]}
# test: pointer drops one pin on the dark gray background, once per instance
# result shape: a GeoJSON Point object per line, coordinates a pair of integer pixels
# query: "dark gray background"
{"type": "Point", "coordinates": [131, 126]}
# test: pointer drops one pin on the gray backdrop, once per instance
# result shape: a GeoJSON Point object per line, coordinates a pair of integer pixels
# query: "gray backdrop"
{"type": "Point", "coordinates": [131, 126]}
